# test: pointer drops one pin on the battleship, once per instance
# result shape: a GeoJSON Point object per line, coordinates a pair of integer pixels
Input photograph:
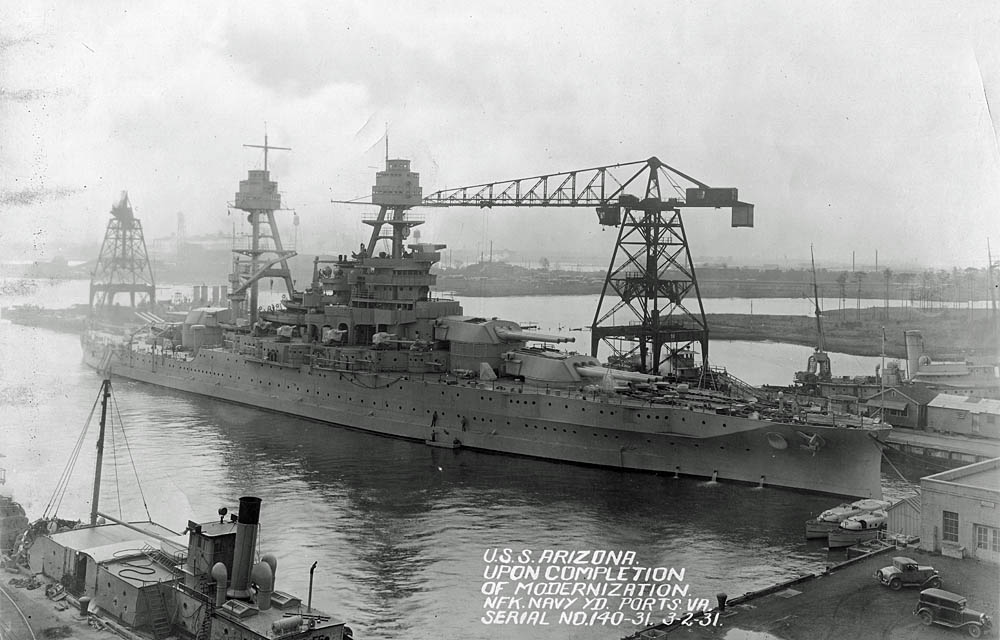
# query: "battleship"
{"type": "Point", "coordinates": [369, 345]}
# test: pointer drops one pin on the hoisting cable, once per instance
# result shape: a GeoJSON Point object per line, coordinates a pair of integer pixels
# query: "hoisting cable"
{"type": "Point", "coordinates": [114, 457]}
{"type": "Point", "coordinates": [61, 485]}
{"type": "Point", "coordinates": [128, 448]}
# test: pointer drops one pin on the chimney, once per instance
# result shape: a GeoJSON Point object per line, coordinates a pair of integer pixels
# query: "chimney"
{"type": "Point", "coordinates": [247, 524]}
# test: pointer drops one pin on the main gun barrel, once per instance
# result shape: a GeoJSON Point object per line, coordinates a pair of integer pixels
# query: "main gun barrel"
{"type": "Point", "coordinates": [526, 336]}
{"type": "Point", "coordinates": [617, 374]}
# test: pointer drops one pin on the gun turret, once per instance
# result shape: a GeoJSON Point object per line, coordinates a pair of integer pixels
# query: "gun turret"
{"type": "Point", "coordinates": [527, 336]}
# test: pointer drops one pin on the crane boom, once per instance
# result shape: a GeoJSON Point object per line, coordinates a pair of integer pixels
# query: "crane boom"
{"type": "Point", "coordinates": [651, 271]}
{"type": "Point", "coordinates": [602, 187]}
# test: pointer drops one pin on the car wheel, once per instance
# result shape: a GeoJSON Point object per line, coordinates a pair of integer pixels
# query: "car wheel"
{"type": "Point", "coordinates": [975, 630]}
{"type": "Point", "coordinates": [895, 584]}
{"type": "Point", "coordinates": [935, 583]}
{"type": "Point", "coordinates": [925, 617]}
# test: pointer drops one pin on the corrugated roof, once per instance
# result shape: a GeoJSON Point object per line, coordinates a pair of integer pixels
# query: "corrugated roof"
{"type": "Point", "coordinates": [966, 403]}
{"type": "Point", "coordinates": [877, 403]}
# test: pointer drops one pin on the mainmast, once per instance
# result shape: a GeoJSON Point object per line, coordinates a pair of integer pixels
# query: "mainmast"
{"type": "Point", "coordinates": [264, 257]}
{"type": "Point", "coordinates": [821, 339]}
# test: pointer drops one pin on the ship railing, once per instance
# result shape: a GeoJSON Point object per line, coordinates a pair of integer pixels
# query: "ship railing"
{"type": "Point", "coordinates": [161, 557]}
{"type": "Point", "coordinates": [204, 594]}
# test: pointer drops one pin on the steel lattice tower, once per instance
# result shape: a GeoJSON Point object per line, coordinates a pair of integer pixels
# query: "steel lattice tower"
{"type": "Point", "coordinates": [123, 264]}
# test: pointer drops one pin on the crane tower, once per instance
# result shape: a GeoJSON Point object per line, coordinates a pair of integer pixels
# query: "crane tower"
{"type": "Point", "coordinates": [123, 264]}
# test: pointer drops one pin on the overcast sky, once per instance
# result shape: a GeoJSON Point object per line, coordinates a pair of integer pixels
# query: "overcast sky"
{"type": "Point", "coordinates": [857, 126]}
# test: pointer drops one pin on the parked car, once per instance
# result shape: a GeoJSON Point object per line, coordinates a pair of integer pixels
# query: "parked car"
{"type": "Point", "coordinates": [947, 609]}
{"type": "Point", "coordinates": [905, 572]}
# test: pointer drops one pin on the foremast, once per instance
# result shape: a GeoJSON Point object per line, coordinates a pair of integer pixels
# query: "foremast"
{"type": "Point", "coordinates": [262, 255]}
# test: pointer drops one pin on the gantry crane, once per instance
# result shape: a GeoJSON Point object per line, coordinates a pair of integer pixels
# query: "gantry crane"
{"type": "Point", "coordinates": [123, 264]}
{"type": "Point", "coordinates": [651, 271]}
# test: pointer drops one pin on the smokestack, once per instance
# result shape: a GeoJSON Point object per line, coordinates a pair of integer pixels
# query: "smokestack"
{"type": "Point", "coordinates": [221, 576]}
{"type": "Point", "coordinates": [264, 579]}
{"type": "Point", "coordinates": [247, 524]}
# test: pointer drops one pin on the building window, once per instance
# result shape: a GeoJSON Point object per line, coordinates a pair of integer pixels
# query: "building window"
{"type": "Point", "coordinates": [949, 529]}
{"type": "Point", "coordinates": [987, 538]}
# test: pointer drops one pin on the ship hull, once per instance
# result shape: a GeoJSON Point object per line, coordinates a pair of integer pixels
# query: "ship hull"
{"type": "Point", "coordinates": [507, 418]}
{"type": "Point", "coordinates": [816, 529]}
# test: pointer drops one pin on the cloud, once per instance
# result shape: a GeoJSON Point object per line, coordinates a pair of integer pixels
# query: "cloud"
{"type": "Point", "coordinates": [33, 196]}
{"type": "Point", "coordinates": [27, 95]}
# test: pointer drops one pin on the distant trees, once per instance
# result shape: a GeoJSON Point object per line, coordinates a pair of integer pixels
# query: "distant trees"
{"type": "Point", "coordinates": [860, 277]}
{"type": "Point", "coordinates": [888, 278]}
{"type": "Point", "coordinates": [842, 283]}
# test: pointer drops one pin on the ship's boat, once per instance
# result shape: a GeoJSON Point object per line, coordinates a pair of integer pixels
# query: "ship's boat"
{"type": "Point", "coordinates": [859, 528]}
{"type": "Point", "coordinates": [829, 520]}
{"type": "Point", "coordinates": [369, 345]}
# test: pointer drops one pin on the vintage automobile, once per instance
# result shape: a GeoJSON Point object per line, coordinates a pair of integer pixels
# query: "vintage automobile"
{"type": "Point", "coordinates": [905, 572]}
{"type": "Point", "coordinates": [937, 606]}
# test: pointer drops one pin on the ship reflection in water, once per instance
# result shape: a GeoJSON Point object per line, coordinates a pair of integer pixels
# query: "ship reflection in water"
{"type": "Point", "coordinates": [398, 529]}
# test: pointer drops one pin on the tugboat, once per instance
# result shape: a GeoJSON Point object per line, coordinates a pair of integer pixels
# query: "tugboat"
{"type": "Point", "coordinates": [145, 579]}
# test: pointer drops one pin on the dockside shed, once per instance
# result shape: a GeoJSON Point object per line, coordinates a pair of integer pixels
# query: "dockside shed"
{"type": "Point", "coordinates": [960, 511]}
{"type": "Point", "coordinates": [967, 415]}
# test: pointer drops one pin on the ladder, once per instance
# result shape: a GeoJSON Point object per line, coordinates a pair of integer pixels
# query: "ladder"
{"type": "Point", "coordinates": [205, 630]}
{"type": "Point", "coordinates": [159, 618]}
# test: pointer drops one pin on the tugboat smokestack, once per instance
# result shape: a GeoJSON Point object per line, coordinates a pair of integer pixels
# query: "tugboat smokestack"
{"type": "Point", "coordinates": [247, 524]}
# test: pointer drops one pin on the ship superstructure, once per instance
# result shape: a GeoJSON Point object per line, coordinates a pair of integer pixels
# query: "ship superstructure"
{"type": "Point", "coordinates": [368, 345]}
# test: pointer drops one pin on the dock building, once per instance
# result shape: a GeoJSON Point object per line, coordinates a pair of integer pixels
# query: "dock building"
{"type": "Point", "coordinates": [960, 510]}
